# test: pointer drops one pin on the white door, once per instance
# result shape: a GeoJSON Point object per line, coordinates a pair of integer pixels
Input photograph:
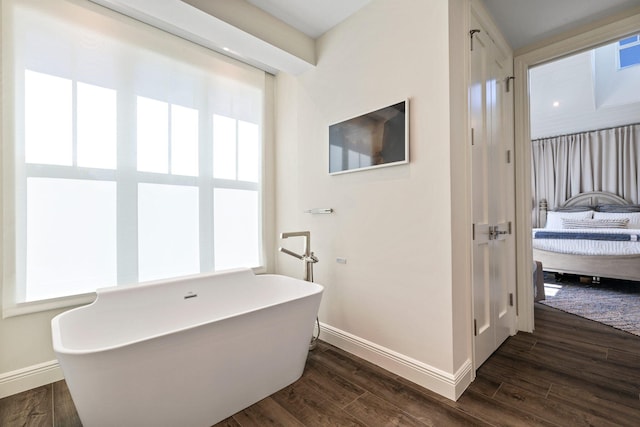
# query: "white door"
{"type": "Point", "coordinates": [491, 113]}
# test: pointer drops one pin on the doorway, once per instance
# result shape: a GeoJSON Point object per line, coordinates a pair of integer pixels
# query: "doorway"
{"type": "Point", "coordinates": [522, 64]}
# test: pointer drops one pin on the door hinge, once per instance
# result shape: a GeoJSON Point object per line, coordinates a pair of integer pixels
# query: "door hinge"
{"type": "Point", "coordinates": [473, 140]}
{"type": "Point", "coordinates": [475, 327]}
{"type": "Point", "coordinates": [508, 81]}
{"type": "Point", "coordinates": [509, 227]}
{"type": "Point", "coordinates": [473, 232]}
{"type": "Point", "coordinates": [511, 299]}
{"type": "Point", "coordinates": [508, 156]}
{"type": "Point", "coordinates": [471, 34]}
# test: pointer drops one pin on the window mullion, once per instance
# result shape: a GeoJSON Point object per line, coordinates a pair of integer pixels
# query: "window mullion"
{"type": "Point", "coordinates": [127, 188]}
{"type": "Point", "coordinates": [169, 137]}
{"type": "Point", "coordinates": [237, 149]}
{"type": "Point", "coordinates": [74, 123]}
{"type": "Point", "coordinates": [205, 187]}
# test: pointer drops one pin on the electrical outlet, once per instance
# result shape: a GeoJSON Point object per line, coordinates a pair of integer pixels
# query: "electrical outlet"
{"type": "Point", "coordinates": [341, 260]}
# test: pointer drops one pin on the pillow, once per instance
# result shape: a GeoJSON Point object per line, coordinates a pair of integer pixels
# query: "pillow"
{"type": "Point", "coordinates": [574, 209]}
{"type": "Point", "coordinates": [634, 217]}
{"type": "Point", "coordinates": [618, 208]}
{"type": "Point", "coordinates": [554, 219]}
{"type": "Point", "coordinates": [595, 223]}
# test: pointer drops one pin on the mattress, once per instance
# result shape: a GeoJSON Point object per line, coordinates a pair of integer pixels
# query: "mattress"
{"type": "Point", "coordinates": [587, 246]}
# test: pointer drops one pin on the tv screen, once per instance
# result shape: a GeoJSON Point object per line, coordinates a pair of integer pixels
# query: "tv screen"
{"type": "Point", "coordinates": [375, 139]}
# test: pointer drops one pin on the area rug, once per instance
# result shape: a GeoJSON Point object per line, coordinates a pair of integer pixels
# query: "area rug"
{"type": "Point", "coordinates": [612, 302]}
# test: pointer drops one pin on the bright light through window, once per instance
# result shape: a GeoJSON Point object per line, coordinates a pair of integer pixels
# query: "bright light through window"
{"type": "Point", "coordinates": [168, 243]}
{"type": "Point", "coordinates": [184, 141]}
{"type": "Point", "coordinates": [236, 221]}
{"type": "Point", "coordinates": [248, 152]}
{"type": "Point", "coordinates": [96, 127]}
{"type": "Point", "coordinates": [224, 147]}
{"type": "Point", "coordinates": [48, 119]}
{"type": "Point", "coordinates": [71, 237]}
{"type": "Point", "coordinates": [153, 135]}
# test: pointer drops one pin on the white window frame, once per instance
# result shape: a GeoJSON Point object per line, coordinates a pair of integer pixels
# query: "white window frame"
{"type": "Point", "coordinates": [620, 48]}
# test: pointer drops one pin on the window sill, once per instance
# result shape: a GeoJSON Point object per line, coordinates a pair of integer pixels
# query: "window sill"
{"type": "Point", "coordinates": [46, 305]}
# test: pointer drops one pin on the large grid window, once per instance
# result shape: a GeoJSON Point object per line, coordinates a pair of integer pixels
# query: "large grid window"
{"type": "Point", "coordinates": [138, 156]}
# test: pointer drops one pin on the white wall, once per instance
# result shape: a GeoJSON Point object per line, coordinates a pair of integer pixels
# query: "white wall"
{"type": "Point", "coordinates": [27, 359]}
{"type": "Point", "coordinates": [395, 294]}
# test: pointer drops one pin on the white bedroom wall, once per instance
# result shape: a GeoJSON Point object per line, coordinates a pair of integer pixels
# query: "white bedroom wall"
{"type": "Point", "coordinates": [393, 225]}
{"type": "Point", "coordinates": [590, 91]}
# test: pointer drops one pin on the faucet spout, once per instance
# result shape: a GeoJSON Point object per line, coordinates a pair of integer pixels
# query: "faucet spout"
{"type": "Point", "coordinates": [307, 239]}
{"type": "Point", "coordinates": [308, 258]}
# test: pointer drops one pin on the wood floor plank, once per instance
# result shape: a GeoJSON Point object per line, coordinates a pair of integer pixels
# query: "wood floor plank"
{"type": "Point", "coordinates": [612, 410]}
{"type": "Point", "coordinates": [377, 412]}
{"type": "Point", "coordinates": [500, 373]}
{"type": "Point", "coordinates": [484, 385]}
{"type": "Point", "coordinates": [571, 345]}
{"type": "Point", "coordinates": [64, 411]}
{"type": "Point", "coordinates": [496, 413]}
{"type": "Point", "coordinates": [311, 408]}
{"type": "Point", "coordinates": [334, 387]}
{"type": "Point", "coordinates": [549, 409]}
{"type": "Point", "coordinates": [522, 340]}
{"type": "Point", "coordinates": [229, 422]}
{"type": "Point", "coordinates": [574, 367]}
{"type": "Point", "coordinates": [586, 360]}
{"type": "Point", "coordinates": [33, 408]}
{"type": "Point", "coordinates": [624, 359]}
{"type": "Point", "coordinates": [529, 369]}
{"type": "Point", "coordinates": [266, 412]}
{"type": "Point", "coordinates": [550, 321]}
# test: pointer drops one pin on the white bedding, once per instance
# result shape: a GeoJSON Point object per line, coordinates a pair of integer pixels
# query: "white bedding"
{"type": "Point", "coordinates": [588, 247]}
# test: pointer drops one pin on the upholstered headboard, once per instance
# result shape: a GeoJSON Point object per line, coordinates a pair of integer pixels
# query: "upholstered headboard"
{"type": "Point", "coordinates": [590, 199]}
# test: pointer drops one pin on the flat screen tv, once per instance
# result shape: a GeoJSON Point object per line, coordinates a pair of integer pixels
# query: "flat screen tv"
{"type": "Point", "coordinates": [376, 139]}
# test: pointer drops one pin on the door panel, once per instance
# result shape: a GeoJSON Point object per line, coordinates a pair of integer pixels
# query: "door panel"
{"type": "Point", "coordinates": [492, 186]}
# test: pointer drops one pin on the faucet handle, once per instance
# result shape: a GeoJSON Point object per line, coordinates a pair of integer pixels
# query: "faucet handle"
{"type": "Point", "coordinates": [311, 258]}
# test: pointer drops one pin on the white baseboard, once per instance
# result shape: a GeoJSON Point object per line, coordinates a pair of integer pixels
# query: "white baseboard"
{"type": "Point", "coordinates": [448, 385]}
{"type": "Point", "coordinates": [24, 379]}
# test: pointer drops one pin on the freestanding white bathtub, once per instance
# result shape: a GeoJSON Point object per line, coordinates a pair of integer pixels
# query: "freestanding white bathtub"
{"type": "Point", "coordinates": [185, 352]}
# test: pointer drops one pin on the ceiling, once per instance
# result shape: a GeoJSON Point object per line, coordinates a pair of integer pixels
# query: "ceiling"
{"type": "Point", "coordinates": [313, 18]}
{"type": "Point", "coordinates": [522, 22]}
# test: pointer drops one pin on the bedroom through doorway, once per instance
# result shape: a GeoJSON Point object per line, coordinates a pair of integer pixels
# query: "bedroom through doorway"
{"type": "Point", "coordinates": [584, 116]}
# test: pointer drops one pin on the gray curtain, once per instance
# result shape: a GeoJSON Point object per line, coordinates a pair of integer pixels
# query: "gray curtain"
{"type": "Point", "coordinates": [601, 160]}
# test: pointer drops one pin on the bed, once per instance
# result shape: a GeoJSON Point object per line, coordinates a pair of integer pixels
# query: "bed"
{"type": "Point", "coordinates": [588, 236]}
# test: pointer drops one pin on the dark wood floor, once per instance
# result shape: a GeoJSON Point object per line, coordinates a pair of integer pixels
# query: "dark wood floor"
{"type": "Point", "coordinates": [570, 372]}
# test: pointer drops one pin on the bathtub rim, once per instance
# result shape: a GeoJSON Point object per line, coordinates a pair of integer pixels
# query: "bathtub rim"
{"type": "Point", "coordinates": [56, 335]}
